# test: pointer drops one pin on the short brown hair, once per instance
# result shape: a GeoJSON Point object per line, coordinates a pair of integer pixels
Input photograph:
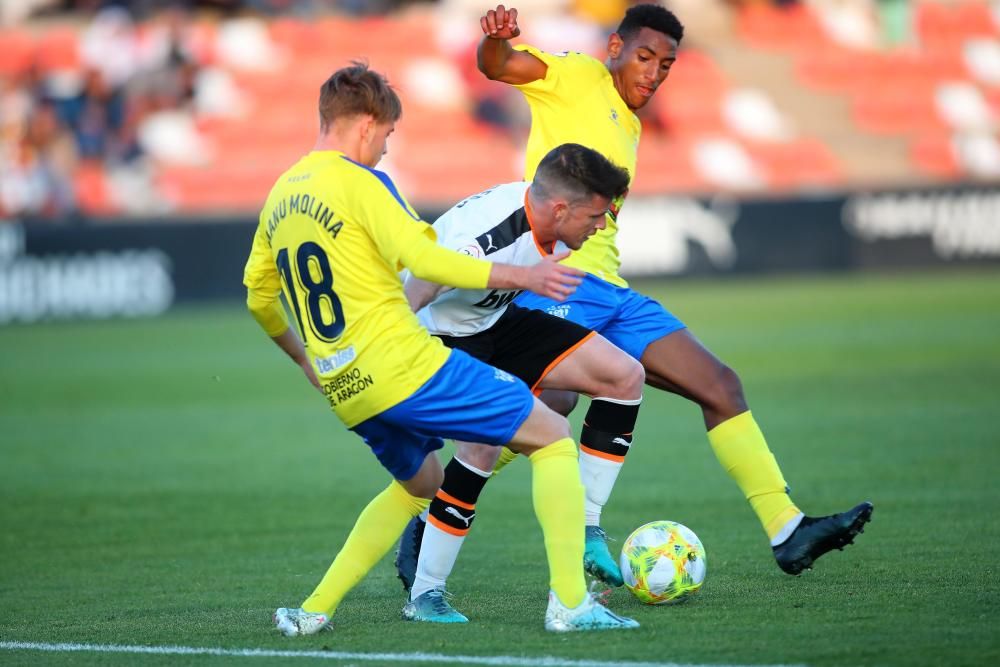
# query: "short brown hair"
{"type": "Point", "coordinates": [356, 90]}
{"type": "Point", "coordinates": [576, 171]}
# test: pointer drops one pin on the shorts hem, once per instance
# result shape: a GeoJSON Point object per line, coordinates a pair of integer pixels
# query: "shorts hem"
{"type": "Point", "coordinates": [518, 422]}
{"type": "Point", "coordinates": [663, 334]}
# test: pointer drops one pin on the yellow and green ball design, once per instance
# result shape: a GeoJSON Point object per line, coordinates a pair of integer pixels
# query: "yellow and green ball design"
{"type": "Point", "coordinates": [663, 562]}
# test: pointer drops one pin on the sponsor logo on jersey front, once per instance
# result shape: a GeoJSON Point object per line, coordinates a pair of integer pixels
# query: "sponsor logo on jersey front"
{"type": "Point", "coordinates": [336, 360]}
{"type": "Point", "coordinates": [346, 386]}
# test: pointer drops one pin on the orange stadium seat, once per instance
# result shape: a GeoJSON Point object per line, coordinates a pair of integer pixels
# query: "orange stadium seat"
{"type": "Point", "coordinates": [18, 49]}
{"type": "Point", "coordinates": [934, 155]}
{"type": "Point", "coordinates": [834, 69]}
{"type": "Point", "coordinates": [802, 163]}
{"type": "Point", "coordinates": [942, 26]}
{"type": "Point", "coordinates": [233, 188]}
{"type": "Point", "coordinates": [781, 28]}
{"type": "Point", "coordinates": [862, 73]}
{"type": "Point", "coordinates": [690, 102]}
{"type": "Point", "coordinates": [450, 167]}
{"type": "Point", "coordinates": [59, 49]}
{"type": "Point", "coordinates": [91, 188]}
{"type": "Point", "coordinates": [664, 165]}
{"type": "Point", "coordinates": [897, 112]}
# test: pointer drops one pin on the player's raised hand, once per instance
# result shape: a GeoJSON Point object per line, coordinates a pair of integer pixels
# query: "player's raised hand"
{"type": "Point", "coordinates": [500, 23]}
{"type": "Point", "coordinates": [551, 279]}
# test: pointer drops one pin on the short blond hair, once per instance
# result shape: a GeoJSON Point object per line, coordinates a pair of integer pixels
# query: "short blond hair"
{"type": "Point", "coordinates": [356, 90]}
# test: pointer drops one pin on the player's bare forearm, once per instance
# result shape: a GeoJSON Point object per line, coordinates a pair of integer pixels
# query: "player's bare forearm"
{"type": "Point", "coordinates": [492, 57]}
{"type": "Point", "coordinates": [419, 292]}
{"type": "Point", "coordinates": [547, 278]}
{"type": "Point", "coordinates": [495, 57]}
{"type": "Point", "coordinates": [292, 346]}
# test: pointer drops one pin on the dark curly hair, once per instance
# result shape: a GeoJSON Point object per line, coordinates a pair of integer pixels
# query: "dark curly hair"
{"type": "Point", "coordinates": [651, 16]}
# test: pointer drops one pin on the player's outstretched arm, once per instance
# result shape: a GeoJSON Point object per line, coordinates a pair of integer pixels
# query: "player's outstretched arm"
{"type": "Point", "coordinates": [548, 278]}
{"type": "Point", "coordinates": [495, 57]}
{"type": "Point", "coordinates": [419, 292]}
{"type": "Point", "coordinates": [434, 263]}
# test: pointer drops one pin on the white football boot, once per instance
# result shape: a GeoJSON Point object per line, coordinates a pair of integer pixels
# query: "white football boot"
{"type": "Point", "coordinates": [298, 622]}
{"type": "Point", "coordinates": [589, 615]}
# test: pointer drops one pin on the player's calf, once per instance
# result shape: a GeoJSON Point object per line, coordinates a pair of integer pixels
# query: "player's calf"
{"type": "Point", "coordinates": [449, 519]}
{"type": "Point", "coordinates": [605, 440]}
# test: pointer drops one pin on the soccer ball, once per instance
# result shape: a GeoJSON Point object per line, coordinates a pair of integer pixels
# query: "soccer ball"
{"type": "Point", "coordinates": [663, 562]}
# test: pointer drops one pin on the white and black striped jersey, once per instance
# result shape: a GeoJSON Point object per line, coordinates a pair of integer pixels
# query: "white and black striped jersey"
{"type": "Point", "coordinates": [490, 225]}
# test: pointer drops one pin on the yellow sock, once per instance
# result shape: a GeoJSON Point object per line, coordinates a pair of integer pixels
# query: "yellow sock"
{"type": "Point", "coordinates": [557, 494]}
{"type": "Point", "coordinates": [506, 456]}
{"type": "Point", "coordinates": [378, 527]}
{"type": "Point", "coordinates": [743, 452]}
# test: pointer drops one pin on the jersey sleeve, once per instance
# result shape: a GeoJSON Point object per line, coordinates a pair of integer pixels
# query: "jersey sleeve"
{"type": "Point", "coordinates": [566, 74]}
{"type": "Point", "coordinates": [264, 287]}
{"type": "Point", "coordinates": [454, 235]}
{"type": "Point", "coordinates": [406, 241]}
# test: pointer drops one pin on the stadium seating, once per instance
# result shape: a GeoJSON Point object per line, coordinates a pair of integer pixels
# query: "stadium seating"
{"type": "Point", "coordinates": [697, 137]}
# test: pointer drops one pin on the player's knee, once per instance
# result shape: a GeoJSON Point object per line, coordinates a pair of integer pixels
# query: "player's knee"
{"type": "Point", "coordinates": [543, 427]}
{"type": "Point", "coordinates": [481, 457]}
{"type": "Point", "coordinates": [427, 480]}
{"type": "Point", "coordinates": [562, 402]}
{"type": "Point", "coordinates": [630, 382]}
{"type": "Point", "coordinates": [727, 393]}
{"type": "Point", "coordinates": [556, 427]}
{"type": "Point", "coordinates": [425, 484]}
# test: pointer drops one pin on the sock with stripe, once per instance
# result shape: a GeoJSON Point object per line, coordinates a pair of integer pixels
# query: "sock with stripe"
{"type": "Point", "coordinates": [376, 531]}
{"type": "Point", "coordinates": [604, 441]}
{"type": "Point", "coordinates": [557, 496]}
{"type": "Point", "coordinates": [741, 449]}
{"type": "Point", "coordinates": [449, 519]}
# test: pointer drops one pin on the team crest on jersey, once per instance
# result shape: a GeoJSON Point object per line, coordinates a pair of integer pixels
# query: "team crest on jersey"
{"type": "Point", "coordinates": [472, 250]}
{"type": "Point", "coordinates": [560, 310]}
{"type": "Point", "coordinates": [614, 116]}
{"type": "Point", "coordinates": [503, 376]}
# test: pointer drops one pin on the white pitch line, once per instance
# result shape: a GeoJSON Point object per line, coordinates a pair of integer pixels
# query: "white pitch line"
{"type": "Point", "coordinates": [435, 658]}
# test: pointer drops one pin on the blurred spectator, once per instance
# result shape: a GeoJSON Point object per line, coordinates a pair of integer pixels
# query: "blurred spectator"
{"type": "Point", "coordinates": [95, 115]}
{"type": "Point", "coordinates": [109, 45]}
{"type": "Point", "coordinates": [15, 11]}
{"type": "Point", "coordinates": [36, 171]}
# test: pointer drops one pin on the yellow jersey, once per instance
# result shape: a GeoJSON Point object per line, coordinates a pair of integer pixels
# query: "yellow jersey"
{"type": "Point", "coordinates": [333, 236]}
{"type": "Point", "coordinates": [577, 102]}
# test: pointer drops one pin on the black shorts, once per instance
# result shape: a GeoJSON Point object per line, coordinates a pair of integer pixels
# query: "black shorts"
{"type": "Point", "coordinates": [524, 342]}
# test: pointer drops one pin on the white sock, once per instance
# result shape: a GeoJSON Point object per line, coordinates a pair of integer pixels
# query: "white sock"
{"type": "Point", "coordinates": [438, 553]}
{"type": "Point", "coordinates": [787, 530]}
{"type": "Point", "coordinates": [598, 476]}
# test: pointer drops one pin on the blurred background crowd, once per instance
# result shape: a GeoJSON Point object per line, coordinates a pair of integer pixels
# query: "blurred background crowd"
{"type": "Point", "coordinates": [194, 108]}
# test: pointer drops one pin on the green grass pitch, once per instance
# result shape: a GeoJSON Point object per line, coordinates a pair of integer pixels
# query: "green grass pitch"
{"type": "Point", "coordinates": [172, 481]}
